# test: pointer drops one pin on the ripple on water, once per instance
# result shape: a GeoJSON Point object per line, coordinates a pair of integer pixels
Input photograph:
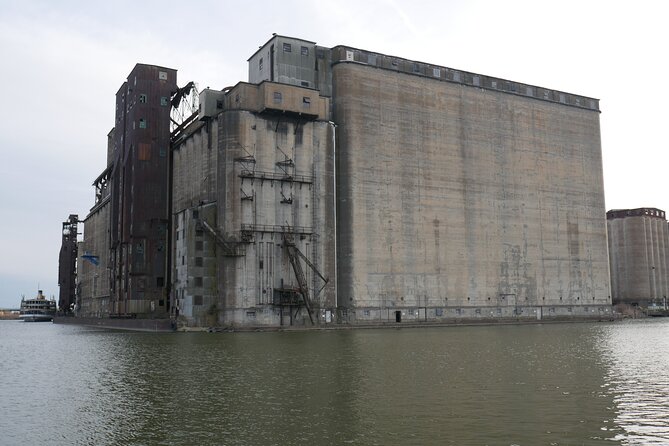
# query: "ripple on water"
{"type": "Point", "coordinates": [540, 384]}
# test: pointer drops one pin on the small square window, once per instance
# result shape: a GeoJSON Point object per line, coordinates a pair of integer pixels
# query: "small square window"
{"type": "Point", "coordinates": [164, 101]}
{"type": "Point", "coordinates": [142, 99]}
{"type": "Point", "coordinates": [199, 245]}
{"type": "Point", "coordinates": [436, 72]}
{"type": "Point", "coordinates": [160, 282]}
{"type": "Point", "coordinates": [142, 123]}
{"type": "Point", "coordinates": [199, 261]}
{"type": "Point", "coordinates": [277, 97]}
{"type": "Point", "coordinates": [306, 102]}
{"type": "Point", "coordinates": [198, 282]}
{"type": "Point", "coordinates": [287, 48]}
{"type": "Point", "coordinates": [197, 300]}
{"type": "Point", "coordinates": [162, 75]}
{"type": "Point", "coordinates": [260, 64]}
{"type": "Point", "coordinates": [304, 83]}
{"type": "Point", "coordinates": [304, 51]}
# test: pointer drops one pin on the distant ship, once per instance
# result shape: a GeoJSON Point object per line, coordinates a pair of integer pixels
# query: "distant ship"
{"type": "Point", "coordinates": [38, 309]}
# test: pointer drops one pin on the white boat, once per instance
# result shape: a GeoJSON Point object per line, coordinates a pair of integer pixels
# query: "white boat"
{"type": "Point", "coordinates": [38, 309]}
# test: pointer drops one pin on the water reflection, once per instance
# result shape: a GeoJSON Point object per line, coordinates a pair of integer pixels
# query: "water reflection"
{"type": "Point", "coordinates": [500, 385]}
{"type": "Point", "coordinates": [637, 358]}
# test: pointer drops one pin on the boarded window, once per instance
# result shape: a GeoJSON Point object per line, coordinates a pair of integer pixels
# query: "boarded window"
{"type": "Point", "coordinates": [144, 152]}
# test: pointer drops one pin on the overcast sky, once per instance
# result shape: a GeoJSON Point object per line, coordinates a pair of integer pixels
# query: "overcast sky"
{"type": "Point", "coordinates": [63, 61]}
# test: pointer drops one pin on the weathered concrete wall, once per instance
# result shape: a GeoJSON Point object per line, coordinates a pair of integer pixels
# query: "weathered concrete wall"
{"type": "Point", "coordinates": [93, 294]}
{"type": "Point", "coordinates": [194, 167]}
{"type": "Point", "coordinates": [455, 197]}
{"type": "Point", "coordinates": [194, 291]}
{"type": "Point", "coordinates": [639, 256]}
{"type": "Point", "coordinates": [195, 267]}
{"type": "Point", "coordinates": [275, 172]}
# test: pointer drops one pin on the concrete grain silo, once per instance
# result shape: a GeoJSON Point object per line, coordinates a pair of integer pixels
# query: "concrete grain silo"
{"type": "Point", "coordinates": [639, 256]}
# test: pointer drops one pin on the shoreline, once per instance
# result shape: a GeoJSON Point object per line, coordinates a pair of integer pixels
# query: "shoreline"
{"type": "Point", "coordinates": [169, 326]}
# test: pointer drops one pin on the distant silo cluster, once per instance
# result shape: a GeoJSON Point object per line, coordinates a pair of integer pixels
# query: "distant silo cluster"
{"type": "Point", "coordinates": [639, 256]}
{"type": "Point", "coordinates": [342, 186]}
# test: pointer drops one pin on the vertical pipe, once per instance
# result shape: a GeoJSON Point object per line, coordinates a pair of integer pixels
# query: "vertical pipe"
{"type": "Point", "coordinates": [333, 126]}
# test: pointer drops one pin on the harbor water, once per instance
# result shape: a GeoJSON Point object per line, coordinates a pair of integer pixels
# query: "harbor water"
{"type": "Point", "coordinates": [544, 384]}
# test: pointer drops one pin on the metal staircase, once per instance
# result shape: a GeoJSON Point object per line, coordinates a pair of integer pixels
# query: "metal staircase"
{"type": "Point", "coordinates": [294, 255]}
{"type": "Point", "coordinates": [230, 249]}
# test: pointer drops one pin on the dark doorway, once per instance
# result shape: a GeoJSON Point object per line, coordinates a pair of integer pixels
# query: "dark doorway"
{"type": "Point", "coordinates": [398, 316]}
